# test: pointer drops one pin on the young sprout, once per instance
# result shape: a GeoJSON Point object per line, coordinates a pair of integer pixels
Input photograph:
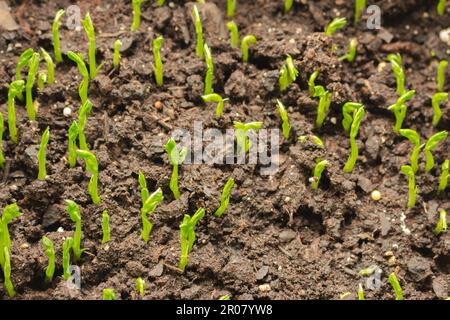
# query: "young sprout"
{"type": "Point", "coordinates": [42, 79]}
{"type": "Point", "coordinates": [324, 105]}
{"type": "Point", "coordinates": [147, 209]}
{"type": "Point", "coordinates": [199, 30]}
{"type": "Point", "coordinates": [116, 57]}
{"type": "Point", "coordinates": [214, 97]}
{"type": "Point", "coordinates": [242, 138]}
{"type": "Point", "coordinates": [50, 66]}
{"type": "Point", "coordinates": [231, 8]}
{"type": "Point", "coordinates": [248, 40]}
{"type": "Point", "coordinates": [33, 67]}
{"type": "Point", "coordinates": [7, 273]}
{"type": "Point", "coordinates": [84, 84]}
{"type": "Point", "coordinates": [2, 157]}
{"type": "Point", "coordinates": [399, 109]}
{"type": "Point", "coordinates": [288, 74]}
{"type": "Point", "coordinates": [108, 294]}
{"type": "Point", "coordinates": [92, 168]}
{"type": "Point", "coordinates": [311, 83]}
{"type": "Point", "coordinates": [348, 110]}
{"type": "Point", "coordinates": [441, 226]}
{"type": "Point", "coordinates": [176, 158]}
{"type": "Point", "coordinates": [75, 216]}
{"type": "Point", "coordinates": [187, 236]}
{"type": "Point", "coordinates": [67, 245]}
{"type": "Point", "coordinates": [441, 7]}
{"type": "Point", "coordinates": [414, 137]}
{"type": "Point", "coordinates": [85, 109]}
{"type": "Point", "coordinates": [137, 14]}
{"type": "Point", "coordinates": [90, 32]}
{"type": "Point", "coordinates": [50, 253]}
{"type": "Point", "coordinates": [225, 198]}
{"type": "Point", "coordinates": [15, 89]}
{"type": "Point", "coordinates": [314, 139]}
{"type": "Point", "coordinates": [288, 5]}
{"type": "Point", "coordinates": [105, 227]}
{"type": "Point", "coordinates": [408, 171]}
{"type": "Point", "coordinates": [396, 65]}
{"type": "Point", "coordinates": [396, 286]}
{"type": "Point", "coordinates": [441, 75]}
{"type": "Point", "coordinates": [161, 2]}
{"type": "Point", "coordinates": [318, 170]}
{"type": "Point", "coordinates": [361, 292]}
{"type": "Point", "coordinates": [336, 24]}
{"type": "Point", "coordinates": [359, 115]}
{"type": "Point", "coordinates": [157, 44]}
{"type": "Point", "coordinates": [432, 144]}
{"type": "Point", "coordinates": [73, 135]}
{"type": "Point", "coordinates": [444, 176]}
{"type": "Point", "coordinates": [225, 297]}
{"type": "Point", "coordinates": [144, 191]}
{"type": "Point", "coordinates": [10, 213]}
{"type": "Point", "coordinates": [55, 33]}
{"type": "Point", "coordinates": [140, 286]}
{"type": "Point", "coordinates": [23, 62]}
{"type": "Point", "coordinates": [234, 33]}
{"type": "Point", "coordinates": [284, 117]}
{"type": "Point", "coordinates": [42, 154]}
{"type": "Point", "coordinates": [437, 99]}
{"type": "Point", "coordinates": [360, 6]}
{"type": "Point", "coordinates": [209, 72]}
{"type": "Point", "coordinates": [350, 56]}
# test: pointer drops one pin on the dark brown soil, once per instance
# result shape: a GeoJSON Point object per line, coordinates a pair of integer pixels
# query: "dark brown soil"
{"type": "Point", "coordinates": [305, 244]}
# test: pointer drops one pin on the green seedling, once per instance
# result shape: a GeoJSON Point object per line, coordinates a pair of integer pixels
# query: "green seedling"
{"type": "Point", "coordinates": [42, 154]}
{"type": "Point", "coordinates": [225, 198]}
{"type": "Point", "coordinates": [361, 292]}
{"type": "Point", "coordinates": [144, 191]}
{"type": "Point", "coordinates": [199, 30]}
{"type": "Point", "coordinates": [348, 110]}
{"type": "Point", "coordinates": [10, 213]}
{"type": "Point", "coordinates": [55, 33]}
{"type": "Point", "coordinates": [176, 158]}
{"type": "Point", "coordinates": [396, 286]}
{"type": "Point", "coordinates": [354, 129]}
{"type": "Point", "coordinates": [396, 65]}
{"type": "Point", "coordinates": [441, 226]}
{"type": "Point", "coordinates": [136, 14]}
{"type": "Point", "coordinates": [42, 79]}
{"type": "Point", "coordinates": [432, 144]}
{"type": "Point", "coordinates": [248, 40]}
{"type": "Point", "coordinates": [318, 170]}
{"type": "Point", "coordinates": [231, 8]}
{"type": "Point", "coordinates": [399, 109]}
{"type": "Point", "coordinates": [360, 6]}
{"type": "Point", "coordinates": [413, 189]}
{"type": "Point", "coordinates": [15, 89]}
{"type": "Point", "coordinates": [225, 297]}
{"type": "Point", "coordinates": [288, 74]}
{"type": "Point", "coordinates": [414, 137]}
{"type": "Point", "coordinates": [288, 5]}
{"type": "Point", "coordinates": [314, 139]}
{"type": "Point", "coordinates": [73, 135]}
{"type": "Point", "coordinates": [234, 33]}
{"type": "Point", "coordinates": [157, 44]}
{"type": "Point", "coordinates": [438, 98]}
{"type": "Point", "coordinates": [92, 168]}
{"type": "Point", "coordinates": [84, 84]}
{"type": "Point", "coordinates": [324, 105]}
{"type": "Point", "coordinates": [90, 32]}
{"type": "Point", "coordinates": [147, 209]}
{"type": "Point", "coordinates": [441, 7]}
{"type": "Point", "coordinates": [214, 97]}
{"type": "Point", "coordinates": [311, 83]}
{"type": "Point", "coordinates": [33, 67]}
{"type": "Point", "coordinates": [105, 227]}
{"type": "Point", "coordinates": [140, 287]}
{"type": "Point", "coordinates": [108, 294]}
{"type": "Point", "coordinates": [24, 59]}
{"type": "Point", "coordinates": [50, 253]}
{"type": "Point", "coordinates": [350, 56]}
{"type": "Point", "coordinates": [209, 71]}
{"type": "Point", "coordinates": [284, 118]}
{"type": "Point", "coordinates": [441, 75]}
{"type": "Point", "coordinates": [7, 273]}
{"type": "Point", "coordinates": [50, 66]}
{"type": "Point", "coordinates": [116, 57]}
{"type": "Point", "coordinates": [67, 245]}
{"type": "Point", "coordinates": [336, 24]}
{"type": "Point", "coordinates": [2, 157]}
{"type": "Point", "coordinates": [85, 110]}
{"type": "Point", "coordinates": [161, 2]}
{"type": "Point", "coordinates": [242, 138]}
{"type": "Point", "coordinates": [444, 176]}
{"type": "Point", "coordinates": [75, 216]}
{"type": "Point", "coordinates": [187, 236]}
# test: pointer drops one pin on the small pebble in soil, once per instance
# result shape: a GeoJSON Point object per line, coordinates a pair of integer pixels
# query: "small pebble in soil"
{"type": "Point", "coordinates": [24, 246]}
{"type": "Point", "coordinates": [375, 195]}
{"type": "Point", "coordinates": [67, 111]}
{"type": "Point", "coordinates": [60, 230]}
{"type": "Point", "coordinates": [444, 35]}
{"type": "Point", "coordinates": [158, 105]}
{"type": "Point", "coordinates": [265, 288]}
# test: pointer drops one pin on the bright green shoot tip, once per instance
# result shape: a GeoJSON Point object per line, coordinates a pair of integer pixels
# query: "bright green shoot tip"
{"type": "Point", "coordinates": [225, 297]}
{"type": "Point", "coordinates": [24, 58]}
{"type": "Point", "coordinates": [441, 7]}
{"type": "Point", "coordinates": [234, 33]}
{"type": "Point", "coordinates": [157, 44]}
{"type": "Point", "coordinates": [396, 65]}
{"type": "Point", "coordinates": [214, 97]}
{"type": "Point", "coordinates": [50, 253]}
{"type": "Point", "coordinates": [314, 139]}
{"type": "Point", "coordinates": [75, 215]}
{"type": "Point", "coordinates": [336, 24]}
{"type": "Point", "coordinates": [108, 294]}
{"type": "Point", "coordinates": [225, 198]}
{"type": "Point", "coordinates": [187, 236]}
{"type": "Point", "coordinates": [354, 129]}
{"type": "Point", "coordinates": [85, 110]}
{"type": "Point", "coordinates": [444, 176]}
{"type": "Point", "coordinates": [248, 40]}
{"type": "Point", "coordinates": [209, 78]}
{"type": "Point", "coordinates": [116, 57]}
{"type": "Point", "coordinates": [441, 226]}
{"type": "Point", "coordinates": [288, 74]}
{"type": "Point", "coordinates": [242, 138]}
{"type": "Point", "coordinates": [311, 83]}
{"type": "Point", "coordinates": [161, 2]}
{"type": "Point", "coordinates": [348, 110]}
{"type": "Point", "coordinates": [441, 75]}
{"type": "Point", "coordinates": [350, 56]}
{"type": "Point", "coordinates": [67, 245]}
{"type": "Point", "coordinates": [148, 208]}
{"type": "Point", "coordinates": [318, 170]}
{"type": "Point", "coordinates": [2, 157]}
{"type": "Point", "coordinates": [360, 292]}
{"type": "Point", "coordinates": [33, 68]}
{"type": "Point", "coordinates": [84, 84]}
{"type": "Point", "coordinates": [360, 6]}
{"type": "Point", "coordinates": [72, 145]}
{"type": "Point", "coordinates": [231, 8]}
{"type": "Point", "coordinates": [176, 158]}
{"type": "Point", "coordinates": [399, 109]}
{"type": "Point", "coordinates": [288, 5]}
{"type": "Point", "coordinates": [438, 98]}
{"type": "Point", "coordinates": [55, 34]}
{"type": "Point", "coordinates": [140, 287]}
{"type": "Point", "coordinates": [284, 118]}
{"type": "Point", "coordinates": [105, 227]}
{"type": "Point", "coordinates": [7, 272]}
{"type": "Point", "coordinates": [15, 89]}
{"type": "Point", "coordinates": [50, 66]}
{"type": "Point", "coordinates": [136, 14]}
{"type": "Point", "coordinates": [42, 80]}
{"type": "Point", "coordinates": [324, 105]}
{"type": "Point", "coordinates": [414, 137]}
{"type": "Point", "coordinates": [42, 154]}
{"type": "Point", "coordinates": [409, 172]}
{"type": "Point", "coordinates": [92, 168]}
{"type": "Point", "coordinates": [396, 286]}
{"type": "Point", "coordinates": [432, 144]}
{"type": "Point", "coordinates": [90, 32]}
{"type": "Point", "coordinates": [199, 30]}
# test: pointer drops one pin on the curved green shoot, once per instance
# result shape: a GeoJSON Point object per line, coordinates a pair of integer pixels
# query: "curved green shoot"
{"type": "Point", "coordinates": [90, 32]}
{"type": "Point", "coordinates": [50, 66]}
{"type": "Point", "coordinates": [147, 209]}
{"type": "Point", "coordinates": [7, 273]}
{"type": "Point", "coordinates": [396, 286]}
{"type": "Point", "coordinates": [10, 213]}
{"type": "Point", "coordinates": [92, 168]}
{"type": "Point", "coordinates": [225, 198]}
{"type": "Point", "coordinates": [311, 83]}
{"type": "Point", "coordinates": [85, 110]}
{"type": "Point", "coordinates": [33, 68]}
{"type": "Point", "coordinates": [187, 236]}
{"type": "Point", "coordinates": [318, 170]}
{"type": "Point", "coordinates": [441, 7]}
{"type": "Point", "coordinates": [157, 44]}
{"type": "Point", "coordinates": [67, 245]}
{"type": "Point", "coordinates": [441, 75]}
{"type": "Point", "coordinates": [348, 110]}
{"type": "Point", "coordinates": [360, 5]}
{"type": "Point", "coordinates": [136, 14]}
{"type": "Point", "coordinates": [15, 89]}
{"type": "Point", "coordinates": [414, 137]}
{"type": "Point", "coordinates": [199, 30]}
{"type": "Point", "coordinates": [336, 24]}
{"type": "Point", "coordinates": [314, 139]}
{"type": "Point", "coordinates": [432, 144]}
{"type": "Point", "coordinates": [84, 84]}
{"type": "Point", "coordinates": [214, 97]}
{"type": "Point", "coordinates": [350, 56]}
{"type": "Point", "coordinates": [288, 74]}
{"type": "Point", "coordinates": [176, 158]}
{"type": "Point", "coordinates": [108, 294]}
{"type": "Point", "coordinates": [140, 287]}
{"type": "Point", "coordinates": [409, 172]}
{"type": "Point", "coordinates": [209, 71]}
{"type": "Point", "coordinates": [444, 176]}
{"type": "Point", "coordinates": [24, 59]}
{"type": "Point", "coordinates": [396, 65]}
{"type": "Point", "coordinates": [234, 33]}
{"type": "Point", "coordinates": [2, 157]}
{"type": "Point", "coordinates": [441, 226]}
{"type": "Point", "coordinates": [399, 109]}
{"type": "Point", "coordinates": [437, 99]}
{"type": "Point", "coordinates": [231, 8]}
{"type": "Point", "coordinates": [42, 79]}
{"type": "Point", "coordinates": [75, 215]}
{"type": "Point", "coordinates": [242, 138]}
{"type": "Point", "coordinates": [284, 118]}
{"type": "Point", "coordinates": [55, 34]}
{"type": "Point", "coordinates": [42, 154]}
{"type": "Point", "coordinates": [359, 115]}
{"type": "Point", "coordinates": [116, 57]}
{"type": "Point", "coordinates": [73, 135]}
{"type": "Point", "coordinates": [106, 230]}
{"type": "Point", "coordinates": [144, 190]}
{"type": "Point", "coordinates": [248, 40]}
{"type": "Point", "coordinates": [50, 253]}
{"type": "Point", "coordinates": [288, 5]}
{"type": "Point", "coordinates": [323, 107]}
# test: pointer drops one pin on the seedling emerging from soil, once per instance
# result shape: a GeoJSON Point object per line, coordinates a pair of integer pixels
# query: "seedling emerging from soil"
{"type": "Point", "coordinates": [324, 106]}
{"type": "Point", "coordinates": [441, 75]}
{"type": "Point", "coordinates": [136, 14]}
{"type": "Point", "coordinates": [108, 294]}
{"type": "Point", "coordinates": [33, 67]}
{"type": "Point", "coordinates": [288, 5]}
{"type": "Point", "coordinates": [85, 109]}
{"type": "Point", "coordinates": [396, 286]}
{"type": "Point", "coordinates": [50, 253]}
{"type": "Point", "coordinates": [432, 144]}
{"type": "Point", "coordinates": [242, 139]}
{"type": "Point", "coordinates": [288, 74]}
{"type": "Point", "coordinates": [360, 6]}
{"type": "Point", "coordinates": [73, 135]}
{"type": "Point", "coordinates": [441, 7]}
{"type": "Point", "coordinates": [408, 171]}
{"type": "Point", "coordinates": [199, 30]}
{"type": "Point", "coordinates": [7, 273]}
{"type": "Point", "coordinates": [414, 137]}
{"type": "Point", "coordinates": [50, 66]}
{"type": "Point", "coordinates": [209, 72]}
{"type": "Point", "coordinates": [311, 83]}
{"type": "Point", "coordinates": [75, 216]}
{"type": "Point", "coordinates": [67, 245]}
{"type": "Point", "coordinates": [42, 79]}
{"type": "Point", "coordinates": [350, 56]}
{"type": "Point", "coordinates": [348, 110]}
{"type": "Point", "coordinates": [2, 157]}
{"type": "Point", "coordinates": [284, 117]}
{"type": "Point", "coordinates": [144, 190]}
{"type": "Point", "coordinates": [248, 40]}
{"type": "Point", "coordinates": [231, 8]}
{"type": "Point", "coordinates": [399, 109]}
{"type": "Point", "coordinates": [187, 236]}
{"type": "Point", "coordinates": [116, 57]}
{"type": "Point", "coordinates": [442, 224]}
{"type": "Point", "coordinates": [10, 213]}
{"type": "Point", "coordinates": [157, 44]}
{"type": "Point", "coordinates": [92, 168]}
{"type": "Point", "coordinates": [437, 99]}
{"type": "Point", "coordinates": [161, 2]}
{"type": "Point", "coordinates": [444, 176]}
{"type": "Point", "coordinates": [140, 287]}
{"type": "Point", "coordinates": [15, 89]}
{"type": "Point", "coordinates": [55, 33]}
{"type": "Point", "coordinates": [360, 292]}
{"type": "Point", "coordinates": [359, 115]}
{"type": "Point", "coordinates": [42, 154]}
{"type": "Point", "coordinates": [225, 297]}
{"type": "Point", "coordinates": [314, 139]}
{"type": "Point", "coordinates": [336, 24]}
{"type": "Point", "coordinates": [147, 209]}
{"type": "Point", "coordinates": [396, 65]}
{"type": "Point", "coordinates": [90, 32]}
{"type": "Point", "coordinates": [234, 33]}
{"type": "Point", "coordinates": [105, 227]}
{"type": "Point", "coordinates": [23, 62]}
{"type": "Point", "coordinates": [84, 84]}
{"type": "Point", "coordinates": [225, 199]}
{"type": "Point", "coordinates": [318, 170]}
{"type": "Point", "coordinates": [176, 158]}
{"type": "Point", "coordinates": [214, 97]}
